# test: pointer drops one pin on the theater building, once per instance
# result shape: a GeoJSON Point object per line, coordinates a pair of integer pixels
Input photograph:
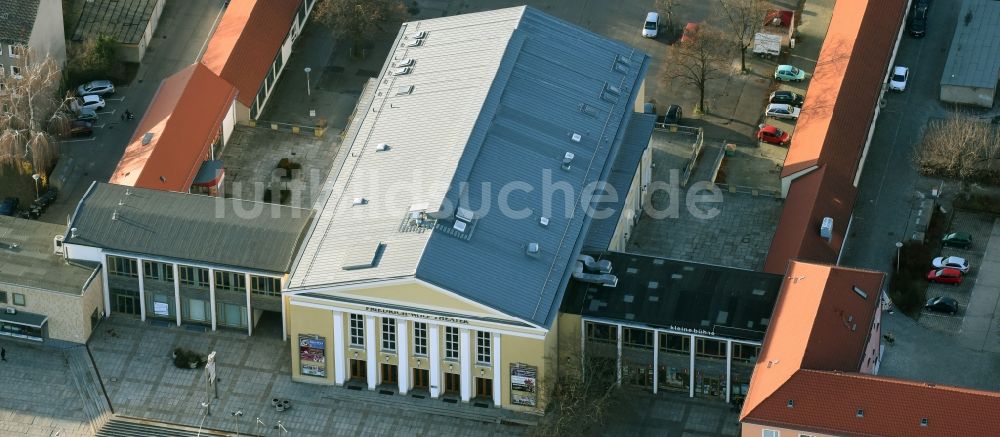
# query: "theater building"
{"type": "Point", "coordinates": [436, 265]}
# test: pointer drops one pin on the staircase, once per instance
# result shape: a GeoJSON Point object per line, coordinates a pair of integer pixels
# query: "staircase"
{"type": "Point", "coordinates": [125, 427]}
{"type": "Point", "coordinates": [95, 402]}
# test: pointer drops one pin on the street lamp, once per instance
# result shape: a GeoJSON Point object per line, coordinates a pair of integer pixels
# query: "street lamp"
{"type": "Point", "coordinates": [36, 177]}
{"type": "Point", "coordinates": [238, 414]}
{"type": "Point", "coordinates": [256, 426]}
{"type": "Point", "coordinates": [208, 408]}
{"type": "Point", "coordinates": [899, 249]}
{"type": "Point", "coordinates": [308, 91]}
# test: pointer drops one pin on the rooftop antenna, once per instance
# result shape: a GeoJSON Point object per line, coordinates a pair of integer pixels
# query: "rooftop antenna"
{"type": "Point", "coordinates": [114, 216]}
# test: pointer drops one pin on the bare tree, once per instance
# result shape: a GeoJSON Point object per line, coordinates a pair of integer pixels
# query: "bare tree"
{"type": "Point", "coordinates": [666, 8]}
{"type": "Point", "coordinates": [699, 60]}
{"type": "Point", "coordinates": [358, 20]}
{"type": "Point", "coordinates": [960, 147]}
{"type": "Point", "coordinates": [31, 114]}
{"type": "Point", "coordinates": [746, 18]}
{"type": "Point", "coordinates": [580, 398]}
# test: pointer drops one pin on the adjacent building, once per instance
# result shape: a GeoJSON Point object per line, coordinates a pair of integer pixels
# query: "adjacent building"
{"type": "Point", "coordinates": [130, 23]}
{"type": "Point", "coordinates": [453, 220]}
{"type": "Point", "coordinates": [43, 295]}
{"type": "Point", "coordinates": [35, 25]}
{"type": "Point", "coordinates": [174, 147]}
{"type": "Point", "coordinates": [177, 258]}
{"type": "Point", "coordinates": [251, 46]}
{"type": "Point", "coordinates": [972, 71]}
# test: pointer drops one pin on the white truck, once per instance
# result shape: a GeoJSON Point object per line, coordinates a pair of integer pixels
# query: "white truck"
{"type": "Point", "coordinates": [766, 45]}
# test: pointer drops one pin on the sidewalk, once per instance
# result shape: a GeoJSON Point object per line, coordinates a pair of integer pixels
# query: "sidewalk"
{"type": "Point", "coordinates": [39, 396]}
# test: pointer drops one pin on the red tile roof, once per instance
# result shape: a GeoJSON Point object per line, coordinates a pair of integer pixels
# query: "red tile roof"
{"type": "Point", "coordinates": [184, 117]}
{"type": "Point", "coordinates": [246, 41]}
{"type": "Point", "coordinates": [819, 194]}
{"type": "Point", "coordinates": [828, 402]}
{"type": "Point", "coordinates": [819, 322]}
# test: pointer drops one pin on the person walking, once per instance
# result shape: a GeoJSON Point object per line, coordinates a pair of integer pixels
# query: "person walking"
{"type": "Point", "coordinates": [3, 354]}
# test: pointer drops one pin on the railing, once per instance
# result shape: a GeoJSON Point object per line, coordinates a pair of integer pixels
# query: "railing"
{"type": "Point", "coordinates": [699, 141]}
{"type": "Point", "coordinates": [316, 131]}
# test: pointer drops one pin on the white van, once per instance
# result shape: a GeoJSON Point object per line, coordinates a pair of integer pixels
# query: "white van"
{"type": "Point", "coordinates": [651, 26]}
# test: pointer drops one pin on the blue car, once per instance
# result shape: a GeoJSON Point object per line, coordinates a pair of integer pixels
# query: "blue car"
{"type": "Point", "coordinates": [9, 206]}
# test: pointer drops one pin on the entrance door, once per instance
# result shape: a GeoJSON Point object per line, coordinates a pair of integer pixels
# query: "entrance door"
{"type": "Point", "coordinates": [126, 304]}
{"type": "Point", "coordinates": [421, 378]}
{"type": "Point", "coordinates": [484, 388]}
{"type": "Point", "coordinates": [389, 373]}
{"type": "Point", "coordinates": [359, 369]}
{"type": "Point", "coordinates": [452, 383]}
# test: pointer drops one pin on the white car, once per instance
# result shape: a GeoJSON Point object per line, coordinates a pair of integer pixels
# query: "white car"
{"type": "Point", "coordinates": [900, 75]}
{"type": "Point", "coordinates": [782, 110]}
{"type": "Point", "coordinates": [954, 262]}
{"type": "Point", "coordinates": [91, 102]}
{"type": "Point", "coordinates": [98, 87]}
{"type": "Point", "coordinates": [651, 26]}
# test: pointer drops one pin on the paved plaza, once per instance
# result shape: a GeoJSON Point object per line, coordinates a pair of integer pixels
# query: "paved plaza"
{"type": "Point", "coordinates": [38, 396]}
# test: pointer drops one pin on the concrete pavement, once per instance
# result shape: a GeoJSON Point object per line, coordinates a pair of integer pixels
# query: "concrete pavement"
{"type": "Point", "coordinates": [981, 324]}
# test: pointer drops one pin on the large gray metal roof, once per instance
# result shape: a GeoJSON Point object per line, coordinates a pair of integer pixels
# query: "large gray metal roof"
{"type": "Point", "coordinates": [17, 19]}
{"type": "Point", "coordinates": [974, 57]}
{"type": "Point", "coordinates": [497, 98]}
{"type": "Point", "coordinates": [225, 232]}
{"type": "Point", "coordinates": [27, 258]}
{"type": "Point", "coordinates": [125, 21]}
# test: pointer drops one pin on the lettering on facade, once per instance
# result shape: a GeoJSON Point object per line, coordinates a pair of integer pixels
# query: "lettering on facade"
{"type": "Point", "coordinates": [399, 313]}
{"type": "Point", "coordinates": [691, 331]}
{"type": "Point", "coordinates": [523, 384]}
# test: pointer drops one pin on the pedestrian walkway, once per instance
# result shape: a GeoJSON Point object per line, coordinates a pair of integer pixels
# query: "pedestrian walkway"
{"type": "Point", "coordinates": [38, 396]}
{"type": "Point", "coordinates": [95, 402]}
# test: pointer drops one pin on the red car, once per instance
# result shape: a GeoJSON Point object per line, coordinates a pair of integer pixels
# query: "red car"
{"type": "Point", "coordinates": [945, 276]}
{"type": "Point", "coordinates": [773, 135]}
{"type": "Point", "coordinates": [690, 31]}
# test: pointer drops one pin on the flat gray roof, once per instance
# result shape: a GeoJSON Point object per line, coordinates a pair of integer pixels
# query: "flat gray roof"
{"type": "Point", "coordinates": [123, 20]}
{"type": "Point", "coordinates": [213, 230]}
{"type": "Point", "coordinates": [27, 258]}
{"type": "Point", "coordinates": [497, 98]}
{"type": "Point", "coordinates": [974, 57]}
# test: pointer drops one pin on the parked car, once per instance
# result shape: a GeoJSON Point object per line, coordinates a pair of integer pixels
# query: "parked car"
{"type": "Point", "coordinates": [690, 31]}
{"type": "Point", "coordinates": [788, 73]}
{"type": "Point", "coordinates": [9, 206]}
{"type": "Point", "coordinates": [954, 262]}
{"type": "Point", "coordinates": [673, 115]}
{"type": "Point", "coordinates": [87, 115]}
{"type": "Point", "coordinates": [651, 26]}
{"type": "Point", "coordinates": [81, 128]}
{"type": "Point", "coordinates": [957, 239]}
{"type": "Point", "coordinates": [772, 135]}
{"type": "Point", "coordinates": [918, 21]}
{"type": "Point", "coordinates": [942, 304]}
{"type": "Point", "coordinates": [900, 75]}
{"type": "Point", "coordinates": [96, 87]}
{"type": "Point", "coordinates": [91, 102]}
{"type": "Point", "coordinates": [945, 276]}
{"type": "Point", "coordinates": [787, 97]}
{"type": "Point", "coordinates": [780, 110]}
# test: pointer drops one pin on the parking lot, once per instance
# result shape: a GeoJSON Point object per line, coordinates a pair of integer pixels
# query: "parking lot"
{"type": "Point", "coordinates": [980, 226]}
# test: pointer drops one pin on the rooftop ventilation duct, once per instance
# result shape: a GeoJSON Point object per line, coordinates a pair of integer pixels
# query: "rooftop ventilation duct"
{"type": "Point", "coordinates": [606, 280]}
{"type": "Point", "coordinates": [603, 266]}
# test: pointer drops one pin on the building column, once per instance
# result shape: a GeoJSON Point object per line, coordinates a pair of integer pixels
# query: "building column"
{"type": "Point", "coordinates": [339, 365]}
{"type": "Point", "coordinates": [495, 361]}
{"type": "Point", "coordinates": [285, 305]}
{"type": "Point", "coordinates": [583, 348]}
{"type": "Point", "coordinates": [656, 360]}
{"type": "Point", "coordinates": [372, 359]}
{"type": "Point", "coordinates": [107, 286]}
{"type": "Point", "coordinates": [464, 354]}
{"type": "Point", "coordinates": [403, 356]}
{"type": "Point", "coordinates": [246, 278]}
{"type": "Point", "coordinates": [142, 290]}
{"type": "Point", "coordinates": [618, 360]}
{"type": "Point", "coordinates": [433, 337]}
{"type": "Point", "coordinates": [211, 296]}
{"type": "Point", "coordinates": [177, 291]}
{"type": "Point", "coordinates": [729, 369]}
{"type": "Point", "coordinates": [691, 370]}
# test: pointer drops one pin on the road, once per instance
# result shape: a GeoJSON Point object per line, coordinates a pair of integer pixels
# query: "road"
{"type": "Point", "coordinates": [179, 38]}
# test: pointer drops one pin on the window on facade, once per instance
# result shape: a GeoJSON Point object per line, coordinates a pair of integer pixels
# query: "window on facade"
{"type": "Point", "coordinates": [639, 338]}
{"type": "Point", "coordinates": [450, 343]}
{"type": "Point", "coordinates": [122, 266]}
{"type": "Point", "coordinates": [18, 299]}
{"type": "Point", "coordinates": [301, 14]}
{"type": "Point", "coordinates": [745, 352]}
{"type": "Point", "coordinates": [484, 349]}
{"type": "Point", "coordinates": [15, 71]}
{"type": "Point", "coordinates": [265, 286]}
{"type": "Point", "coordinates": [388, 334]}
{"type": "Point", "coordinates": [419, 338]}
{"type": "Point", "coordinates": [278, 61]}
{"type": "Point", "coordinates": [230, 281]}
{"type": "Point", "coordinates": [3, 297]}
{"type": "Point", "coordinates": [711, 348]}
{"type": "Point", "coordinates": [602, 332]}
{"type": "Point", "coordinates": [195, 276]}
{"type": "Point", "coordinates": [13, 51]}
{"type": "Point", "coordinates": [770, 433]}
{"type": "Point", "coordinates": [358, 330]}
{"type": "Point", "coordinates": [158, 271]}
{"type": "Point", "coordinates": [675, 343]}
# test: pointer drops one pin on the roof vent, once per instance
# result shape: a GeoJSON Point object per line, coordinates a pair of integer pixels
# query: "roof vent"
{"type": "Point", "coordinates": [860, 413]}
{"type": "Point", "coordinates": [533, 249]}
{"type": "Point", "coordinates": [460, 225]}
{"type": "Point", "coordinates": [576, 137]}
{"type": "Point", "coordinates": [404, 90]}
{"type": "Point", "coordinates": [464, 214]}
{"type": "Point", "coordinates": [405, 62]}
{"type": "Point", "coordinates": [861, 292]}
{"type": "Point", "coordinates": [381, 147]}
{"type": "Point", "coordinates": [72, 233]}
{"type": "Point", "coordinates": [923, 421]}
{"type": "Point", "coordinates": [826, 228]}
{"type": "Point", "coordinates": [791, 403]}
{"type": "Point", "coordinates": [147, 138]}
{"type": "Point", "coordinates": [414, 42]}
{"type": "Point", "coordinates": [567, 160]}
{"type": "Point", "coordinates": [401, 71]}
{"type": "Point", "coordinates": [544, 221]}
{"type": "Point", "coordinates": [114, 215]}
{"type": "Point", "coordinates": [614, 90]}
{"type": "Point", "coordinates": [360, 201]}
{"type": "Point", "coordinates": [419, 35]}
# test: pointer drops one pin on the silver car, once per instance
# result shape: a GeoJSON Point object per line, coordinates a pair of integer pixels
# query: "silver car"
{"type": "Point", "coordinates": [96, 88]}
